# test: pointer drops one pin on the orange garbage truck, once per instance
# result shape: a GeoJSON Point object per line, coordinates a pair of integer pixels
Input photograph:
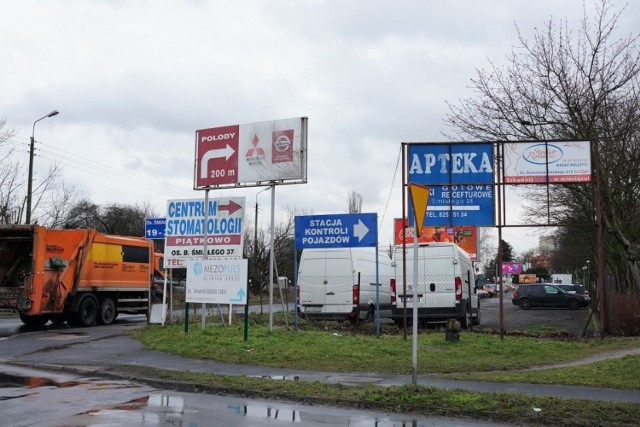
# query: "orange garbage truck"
{"type": "Point", "coordinates": [79, 276]}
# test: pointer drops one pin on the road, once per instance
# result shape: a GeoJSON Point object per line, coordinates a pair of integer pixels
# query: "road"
{"type": "Point", "coordinates": [542, 319]}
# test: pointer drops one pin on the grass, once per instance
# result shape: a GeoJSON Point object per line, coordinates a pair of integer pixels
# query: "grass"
{"type": "Point", "coordinates": [510, 408]}
{"type": "Point", "coordinates": [344, 348]}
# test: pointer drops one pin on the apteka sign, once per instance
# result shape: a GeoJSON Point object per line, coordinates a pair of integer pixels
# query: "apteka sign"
{"type": "Point", "coordinates": [460, 178]}
{"type": "Point", "coordinates": [186, 228]}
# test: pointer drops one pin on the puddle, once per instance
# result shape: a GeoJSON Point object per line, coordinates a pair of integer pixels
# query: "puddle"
{"type": "Point", "coordinates": [61, 336]}
{"type": "Point", "coordinates": [278, 377]}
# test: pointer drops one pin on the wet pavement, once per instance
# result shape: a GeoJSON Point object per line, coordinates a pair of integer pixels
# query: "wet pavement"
{"type": "Point", "coordinates": [72, 400]}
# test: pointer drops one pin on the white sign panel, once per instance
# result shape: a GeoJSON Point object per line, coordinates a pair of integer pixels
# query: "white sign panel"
{"type": "Point", "coordinates": [251, 154]}
{"type": "Point", "coordinates": [217, 281]}
{"type": "Point", "coordinates": [185, 229]}
{"type": "Point", "coordinates": [551, 161]}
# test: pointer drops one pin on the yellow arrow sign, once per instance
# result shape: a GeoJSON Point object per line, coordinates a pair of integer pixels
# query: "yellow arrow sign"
{"type": "Point", "coordinates": [420, 198]}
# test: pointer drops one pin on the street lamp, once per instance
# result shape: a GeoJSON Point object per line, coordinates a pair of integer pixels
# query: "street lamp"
{"type": "Point", "coordinates": [30, 181]}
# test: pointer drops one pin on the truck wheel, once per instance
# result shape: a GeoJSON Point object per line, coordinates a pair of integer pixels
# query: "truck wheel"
{"type": "Point", "coordinates": [36, 321]}
{"type": "Point", "coordinates": [87, 312]}
{"type": "Point", "coordinates": [107, 312]}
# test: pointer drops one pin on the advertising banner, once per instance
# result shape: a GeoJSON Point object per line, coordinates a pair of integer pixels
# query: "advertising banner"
{"type": "Point", "coordinates": [252, 154]}
{"type": "Point", "coordinates": [464, 236]}
{"type": "Point", "coordinates": [185, 229]}
{"type": "Point", "coordinates": [511, 268]}
{"type": "Point", "coordinates": [460, 178]}
{"type": "Point", "coordinates": [552, 161]}
{"type": "Point", "coordinates": [217, 281]}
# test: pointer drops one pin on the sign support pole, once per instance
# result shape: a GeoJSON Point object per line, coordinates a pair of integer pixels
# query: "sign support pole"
{"type": "Point", "coordinates": [420, 198]}
{"type": "Point", "coordinates": [203, 323]}
{"type": "Point", "coordinates": [271, 256]}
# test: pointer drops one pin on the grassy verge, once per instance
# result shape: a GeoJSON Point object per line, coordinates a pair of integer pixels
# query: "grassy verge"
{"type": "Point", "coordinates": [346, 350]}
{"type": "Point", "coordinates": [511, 408]}
{"type": "Point", "coordinates": [343, 348]}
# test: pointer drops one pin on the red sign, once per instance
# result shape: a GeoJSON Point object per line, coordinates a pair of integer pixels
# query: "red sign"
{"type": "Point", "coordinates": [251, 154]}
{"type": "Point", "coordinates": [464, 236]}
{"type": "Point", "coordinates": [282, 151]}
{"type": "Point", "coordinates": [217, 156]}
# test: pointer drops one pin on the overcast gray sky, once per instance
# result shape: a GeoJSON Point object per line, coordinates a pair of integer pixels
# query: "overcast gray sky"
{"type": "Point", "coordinates": [133, 80]}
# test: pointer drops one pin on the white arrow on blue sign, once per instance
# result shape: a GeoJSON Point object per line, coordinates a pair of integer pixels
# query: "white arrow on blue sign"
{"type": "Point", "coordinates": [336, 231]}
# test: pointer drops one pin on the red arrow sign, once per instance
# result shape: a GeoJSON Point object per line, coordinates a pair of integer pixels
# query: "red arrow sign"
{"type": "Point", "coordinates": [231, 207]}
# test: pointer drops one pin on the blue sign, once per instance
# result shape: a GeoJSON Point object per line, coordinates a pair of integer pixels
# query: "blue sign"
{"type": "Point", "coordinates": [154, 228]}
{"type": "Point", "coordinates": [460, 177]}
{"type": "Point", "coordinates": [336, 231]}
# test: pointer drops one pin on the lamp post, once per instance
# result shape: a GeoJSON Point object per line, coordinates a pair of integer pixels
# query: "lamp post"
{"type": "Point", "coordinates": [31, 148]}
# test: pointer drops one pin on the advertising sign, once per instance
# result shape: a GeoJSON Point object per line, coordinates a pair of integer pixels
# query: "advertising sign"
{"type": "Point", "coordinates": [185, 229]}
{"type": "Point", "coordinates": [464, 236]}
{"type": "Point", "coordinates": [217, 281]}
{"type": "Point", "coordinates": [552, 161]}
{"type": "Point", "coordinates": [251, 154]}
{"type": "Point", "coordinates": [511, 267]}
{"type": "Point", "coordinates": [336, 231]}
{"type": "Point", "coordinates": [460, 178]}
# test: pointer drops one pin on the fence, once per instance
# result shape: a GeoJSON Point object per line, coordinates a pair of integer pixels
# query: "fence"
{"type": "Point", "coordinates": [333, 299]}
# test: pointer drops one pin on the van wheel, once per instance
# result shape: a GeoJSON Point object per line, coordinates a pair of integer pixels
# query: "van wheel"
{"type": "Point", "coordinates": [465, 322]}
{"type": "Point", "coordinates": [107, 312]}
{"type": "Point", "coordinates": [476, 320]}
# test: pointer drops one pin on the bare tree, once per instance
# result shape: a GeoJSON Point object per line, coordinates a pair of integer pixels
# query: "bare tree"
{"type": "Point", "coordinates": [118, 219]}
{"type": "Point", "coordinates": [580, 85]}
{"type": "Point", "coordinates": [10, 206]}
{"type": "Point", "coordinates": [354, 202]}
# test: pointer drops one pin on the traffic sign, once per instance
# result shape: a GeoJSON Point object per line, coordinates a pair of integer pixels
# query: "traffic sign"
{"type": "Point", "coordinates": [154, 228]}
{"type": "Point", "coordinates": [336, 231]}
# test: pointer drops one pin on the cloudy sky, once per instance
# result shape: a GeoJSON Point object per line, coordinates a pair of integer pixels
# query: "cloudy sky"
{"type": "Point", "coordinates": [133, 80]}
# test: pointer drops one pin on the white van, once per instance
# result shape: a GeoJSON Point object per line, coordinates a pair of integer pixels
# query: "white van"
{"type": "Point", "coordinates": [446, 285]}
{"type": "Point", "coordinates": [340, 283]}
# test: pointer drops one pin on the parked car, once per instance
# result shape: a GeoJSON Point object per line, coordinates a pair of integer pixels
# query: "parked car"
{"type": "Point", "coordinates": [483, 294]}
{"type": "Point", "coordinates": [574, 289]}
{"type": "Point", "coordinates": [547, 295]}
{"type": "Point", "coordinates": [490, 289]}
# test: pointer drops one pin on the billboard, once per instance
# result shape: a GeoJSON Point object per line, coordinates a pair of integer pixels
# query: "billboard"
{"type": "Point", "coordinates": [551, 161]}
{"type": "Point", "coordinates": [250, 155]}
{"type": "Point", "coordinates": [511, 268]}
{"type": "Point", "coordinates": [185, 229]}
{"type": "Point", "coordinates": [460, 178]}
{"type": "Point", "coordinates": [464, 236]}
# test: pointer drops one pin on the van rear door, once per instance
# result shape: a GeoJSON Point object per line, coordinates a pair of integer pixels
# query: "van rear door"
{"type": "Point", "coordinates": [326, 282]}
